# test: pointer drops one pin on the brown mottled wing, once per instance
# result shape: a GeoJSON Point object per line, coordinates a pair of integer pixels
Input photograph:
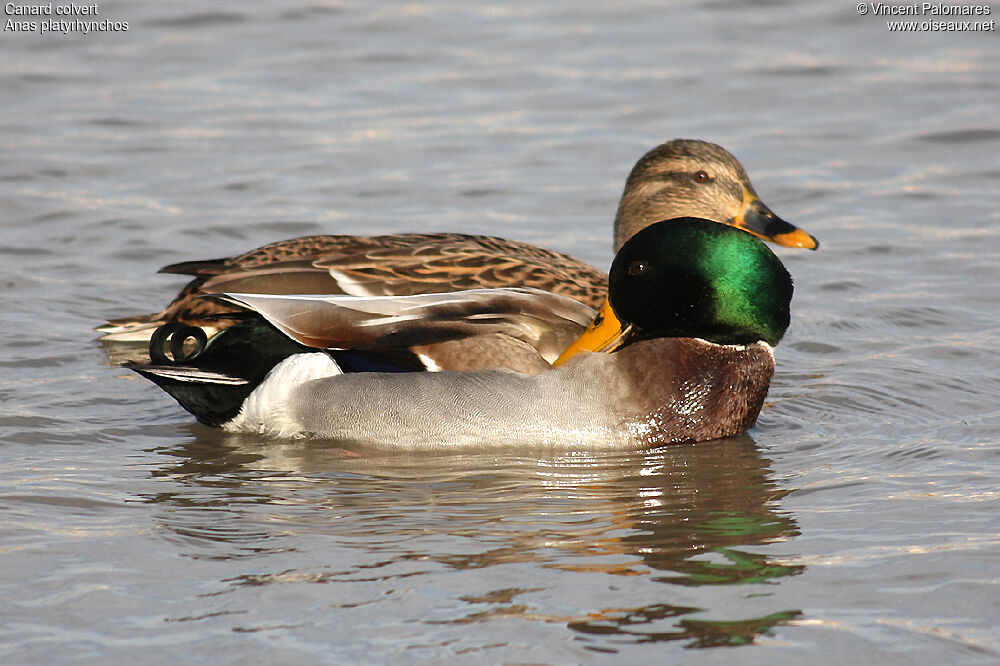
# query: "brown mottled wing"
{"type": "Point", "coordinates": [389, 265]}
{"type": "Point", "coordinates": [407, 264]}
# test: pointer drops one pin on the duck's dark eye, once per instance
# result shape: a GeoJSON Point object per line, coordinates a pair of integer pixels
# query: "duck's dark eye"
{"type": "Point", "coordinates": [701, 176]}
{"type": "Point", "coordinates": [598, 320]}
{"type": "Point", "coordinates": [637, 268]}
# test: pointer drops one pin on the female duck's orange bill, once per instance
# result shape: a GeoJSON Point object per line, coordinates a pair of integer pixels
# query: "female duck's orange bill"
{"type": "Point", "coordinates": [756, 218]}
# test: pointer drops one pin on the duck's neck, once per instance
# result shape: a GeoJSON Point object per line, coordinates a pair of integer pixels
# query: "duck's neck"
{"type": "Point", "coordinates": [687, 389]}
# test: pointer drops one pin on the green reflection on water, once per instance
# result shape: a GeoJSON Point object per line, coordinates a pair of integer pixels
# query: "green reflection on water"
{"type": "Point", "coordinates": [743, 568]}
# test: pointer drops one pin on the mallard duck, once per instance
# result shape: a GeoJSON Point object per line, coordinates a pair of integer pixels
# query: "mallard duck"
{"type": "Point", "coordinates": [676, 179]}
{"type": "Point", "coordinates": [694, 310]}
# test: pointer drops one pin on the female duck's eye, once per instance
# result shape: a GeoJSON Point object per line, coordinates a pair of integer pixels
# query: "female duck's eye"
{"type": "Point", "coordinates": [637, 268]}
{"type": "Point", "coordinates": [701, 176]}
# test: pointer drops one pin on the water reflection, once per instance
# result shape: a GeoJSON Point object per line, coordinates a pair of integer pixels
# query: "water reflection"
{"type": "Point", "coordinates": [117, 353]}
{"type": "Point", "coordinates": [699, 633]}
{"type": "Point", "coordinates": [680, 516]}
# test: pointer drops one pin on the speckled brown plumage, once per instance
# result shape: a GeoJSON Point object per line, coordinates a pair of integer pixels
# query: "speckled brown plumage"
{"type": "Point", "coordinates": [388, 265]}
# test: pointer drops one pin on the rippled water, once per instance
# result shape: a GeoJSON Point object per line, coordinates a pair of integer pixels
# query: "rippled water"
{"type": "Point", "coordinates": [857, 523]}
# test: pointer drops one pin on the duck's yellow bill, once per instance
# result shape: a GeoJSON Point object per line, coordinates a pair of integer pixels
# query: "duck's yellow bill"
{"type": "Point", "coordinates": [756, 218]}
{"type": "Point", "coordinates": [604, 335]}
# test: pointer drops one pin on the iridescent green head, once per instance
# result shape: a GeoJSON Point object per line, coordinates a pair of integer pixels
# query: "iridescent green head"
{"type": "Point", "coordinates": [694, 278]}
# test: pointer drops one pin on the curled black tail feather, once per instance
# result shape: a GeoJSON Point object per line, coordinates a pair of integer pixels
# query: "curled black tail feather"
{"type": "Point", "coordinates": [212, 377]}
{"type": "Point", "coordinates": [170, 334]}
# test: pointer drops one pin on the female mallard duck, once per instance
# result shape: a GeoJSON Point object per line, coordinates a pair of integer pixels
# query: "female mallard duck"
{"type": "Point", "coordinates": [695, 307]}
{"type": "Point", "coordinates": [679, 178]}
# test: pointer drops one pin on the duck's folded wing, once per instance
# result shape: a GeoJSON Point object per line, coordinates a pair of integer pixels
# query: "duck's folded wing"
{"type": "Point", "coordinates": [389, 265]}
{"type": "Point", "coordinates": [543, 320]}
{"type": "Point", "coordinates": [397, 265]}
{"type": "Point", "coordinates": [454, 262]}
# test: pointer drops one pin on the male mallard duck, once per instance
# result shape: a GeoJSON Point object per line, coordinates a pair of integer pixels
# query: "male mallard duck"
{"type": "Point", "coordinates": [696, 307]}
{"type": "Point", "coordinates": [676, 179]}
